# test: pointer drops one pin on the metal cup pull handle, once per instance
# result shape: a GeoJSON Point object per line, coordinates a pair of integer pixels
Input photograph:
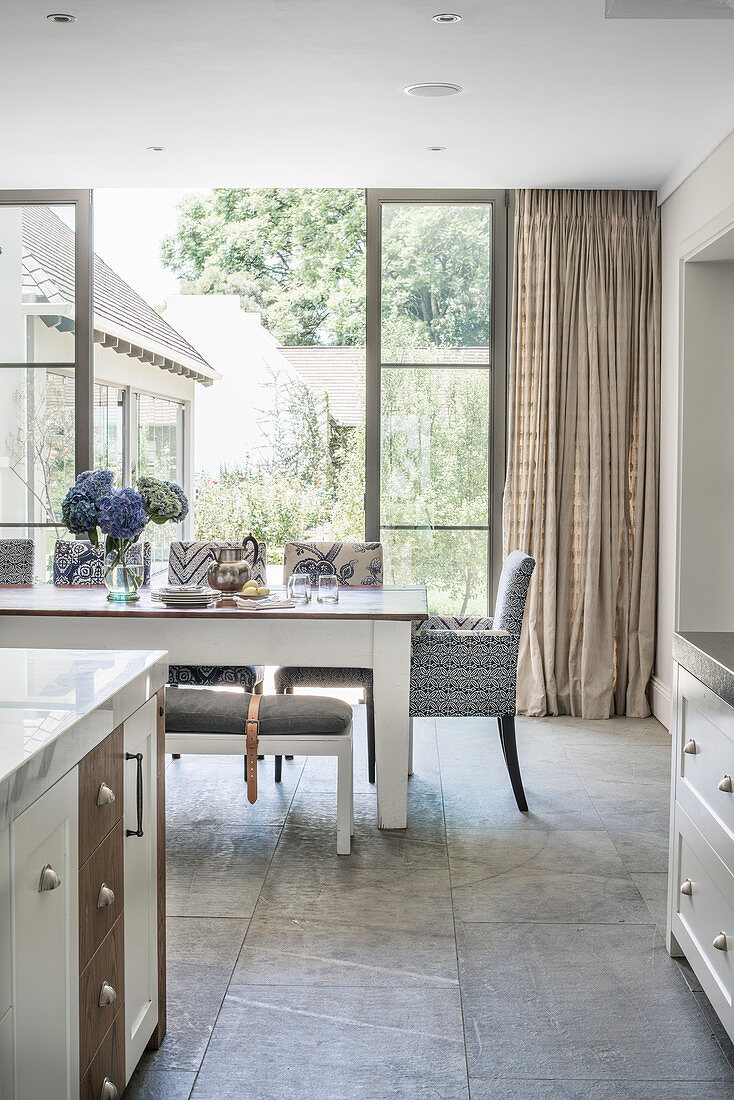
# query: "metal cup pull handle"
{"type": "Point", "coordinates": [105, 897]}
{"type": "Point", "coordinates": [107, 995]}
{"type": "Point", "coordinates": [49, 880]}
{"type": "Point", "coordinates": [690, 747]}
{"type": "Point", "coordinates": [109, 1090]}
{"type": "Point", "coordinates": [105, 795]}
{"type": "Point", "coordinates": [720, 942]}
{"type": "Point", "coordinates": [726, 785]}
{"type": "Point", "coordinates": [687, 888]}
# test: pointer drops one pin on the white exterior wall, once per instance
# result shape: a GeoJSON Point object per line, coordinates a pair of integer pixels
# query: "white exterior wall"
{"type": "Point", "coordinates": [697, 211]}
{"type": "Point", "coordinates": [233, 342]}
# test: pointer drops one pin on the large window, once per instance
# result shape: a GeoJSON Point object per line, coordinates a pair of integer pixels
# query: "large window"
{"type": "Point", "coordinates": [435, 390]}
{"type": "Point", "coordinates": [160, 436]}
{"type": "Point", "coordinates": [45, 360]}
{"type": "Point", "coordinates": [109, 429]}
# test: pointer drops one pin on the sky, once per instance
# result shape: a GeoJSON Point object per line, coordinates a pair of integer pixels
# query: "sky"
{"type": "Point", "coordinates": [129, 225]}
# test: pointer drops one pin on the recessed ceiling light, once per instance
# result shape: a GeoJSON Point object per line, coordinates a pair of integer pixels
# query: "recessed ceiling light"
{"type": "Point", "coordinates": [447, 17]}
{"type": "Point", "coordinates": [59, 17]}
{"type": "Point", "coordinates": [433, 91]}
{"type": "Point", "coordinates": [156, 148]}
{"type": "Point", "coordinates": [436, 148]}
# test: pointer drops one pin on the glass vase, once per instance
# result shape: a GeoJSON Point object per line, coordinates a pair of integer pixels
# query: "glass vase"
{"type": "Point", "coordinates": [123, 571]}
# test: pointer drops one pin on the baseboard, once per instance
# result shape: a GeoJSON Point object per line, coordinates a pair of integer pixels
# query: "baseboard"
{"type": "Point", "coordinates": [660, 701]}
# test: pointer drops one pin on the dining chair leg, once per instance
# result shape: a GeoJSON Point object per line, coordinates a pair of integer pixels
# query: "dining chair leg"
{"type": "Point", "coordinates": [369, 700]}
{"type": "Point", "coordinates": [502, 738]}
{"type": "Point", "coordinates": [278, 768]}
{"type": "Point", "coordinates": [410, 747]}
{"type": "Point", "coordinates": [344, 796]}
{"type": "Point", "coordinates": [175, 756]}
{"type": "Point", "coordinates": [509, 748]}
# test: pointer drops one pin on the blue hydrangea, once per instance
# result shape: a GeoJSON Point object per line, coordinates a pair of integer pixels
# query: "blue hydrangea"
{"type": "Point", "coordinates": [79, 510]}
{"type": "Point", "coordinates": [121, 514]}
{"type": "Point", "coordinates": [161, 501]}
{"type": "Point", "coordinates": [96, 482]}
{"type": "Point", "coordinates": [183, 499]}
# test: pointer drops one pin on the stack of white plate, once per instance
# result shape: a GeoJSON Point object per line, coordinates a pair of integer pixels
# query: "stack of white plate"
{"type": "Point", "coordinates": [185, 595]}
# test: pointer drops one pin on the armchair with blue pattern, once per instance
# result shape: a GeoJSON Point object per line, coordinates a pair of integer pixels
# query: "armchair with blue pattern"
{"type": "Point", "coordinates": [468, 667]}
{"type": "Point", "coordinates": [17, 559]}
{"type": "Point", "coordinates": [78, 563]}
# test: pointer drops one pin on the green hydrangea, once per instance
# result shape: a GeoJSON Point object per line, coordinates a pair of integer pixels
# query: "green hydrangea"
{"type": "Point", "coordinates": [162, 503]}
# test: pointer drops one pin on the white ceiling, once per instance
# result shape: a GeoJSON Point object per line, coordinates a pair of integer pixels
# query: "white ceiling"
{"type": "Point", "coordinates": [309, 92]}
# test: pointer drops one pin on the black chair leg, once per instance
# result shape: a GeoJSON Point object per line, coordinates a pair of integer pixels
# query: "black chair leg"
{"type": "Point", "coordinates": [370, 706]}
{"type": "Point", "coordinates": [278, 768]}
{"type": "Point", "coordinates": [175, 756]}
{"type": "Point", "coordinates": [509, 749]}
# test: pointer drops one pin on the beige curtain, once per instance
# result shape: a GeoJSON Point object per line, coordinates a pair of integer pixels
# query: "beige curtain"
{"type": "Point", "coordinates": [583, 427]}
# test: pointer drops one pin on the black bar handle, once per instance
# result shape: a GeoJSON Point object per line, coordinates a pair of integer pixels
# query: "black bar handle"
{"type": "Point", "coordinates": [139, 757]}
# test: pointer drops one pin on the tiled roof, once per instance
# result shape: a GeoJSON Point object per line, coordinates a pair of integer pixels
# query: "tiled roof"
{"type": "Point", "coordinates": [338, 371]}
{"type": "Point", "coordinates": [121, 316]}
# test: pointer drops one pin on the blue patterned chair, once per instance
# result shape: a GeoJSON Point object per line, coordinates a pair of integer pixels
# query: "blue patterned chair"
{"type": "Point", "coordinates": [187, 564]}
{"type": "Point", "coordinates": [354, 563]}
{"type": "Point", "coordinates": [17, 559]}
{"type": "Point", "coordinates": [468, 667]}
{"type": "Point", "coordinates": [80, 564]}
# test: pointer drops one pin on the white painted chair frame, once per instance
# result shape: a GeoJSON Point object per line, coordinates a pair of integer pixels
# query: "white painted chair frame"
{"type": "Point", "coordinates": [315, 744]}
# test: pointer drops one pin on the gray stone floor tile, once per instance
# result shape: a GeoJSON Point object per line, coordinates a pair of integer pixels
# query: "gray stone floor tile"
{"type": "Point", "coordinates": [201, 956]}
{"type": "Point", "coordinates": [317, 810]}
{"type": "Point", "coordinates": [216, 870]}
{"type": "Point", "coordinates": [653, 886]}
{"type": "Point", "coordinates": [210, 790]}
{"type": "Point", "coordinates": [553, 803]}
{"type": "Point", "coordinates": [558, 875]}
{"type": "Point", "coordinates": [523, 1089]}
{"type": "Point", "coordinates": [334, 1044]}
{"type": "Point", "coordinates": [148, 1083]}
{"type": "Point", "coordinates": [641, 838]}
{"type": "Point", "coordinates": [359, 950]}
{"type": "Point", "coordinates": [584, 1001]}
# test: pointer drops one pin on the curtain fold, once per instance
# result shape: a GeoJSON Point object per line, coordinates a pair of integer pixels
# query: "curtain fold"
{"type": "Point", "coordinates": [581, 493]}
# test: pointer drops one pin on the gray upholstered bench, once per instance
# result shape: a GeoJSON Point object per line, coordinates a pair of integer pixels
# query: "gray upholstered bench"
{"type": "Point", "coordinates": [204, 720]}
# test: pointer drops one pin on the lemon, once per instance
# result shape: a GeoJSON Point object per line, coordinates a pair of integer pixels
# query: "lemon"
{"type": "Point", "coordinates": [251, 586]}
{"type": "Point", "coordinates": [263, 591]}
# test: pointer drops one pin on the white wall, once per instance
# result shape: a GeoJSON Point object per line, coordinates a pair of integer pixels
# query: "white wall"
{"type": "Point", "coordinates": [700, 209]}
{"type": "Point", "coordinates": [228, 414]}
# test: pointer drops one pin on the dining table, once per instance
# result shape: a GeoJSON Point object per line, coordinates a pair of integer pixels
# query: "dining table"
{"type": "Point", "coordinates": [369, 627]}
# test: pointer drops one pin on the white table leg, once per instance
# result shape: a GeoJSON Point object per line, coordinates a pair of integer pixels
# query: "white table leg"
{"type": "Point", "coordinates": [391, 686]}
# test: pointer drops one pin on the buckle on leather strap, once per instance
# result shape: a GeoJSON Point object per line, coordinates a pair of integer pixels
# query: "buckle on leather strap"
{"type": "Point", "coordinates": [252, 731]}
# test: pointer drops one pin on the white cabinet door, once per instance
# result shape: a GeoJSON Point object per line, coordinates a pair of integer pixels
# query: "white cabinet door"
{"type": "Point", "coordinates": [45, 876]}
{"type": "Point", "coordinates": [7, 1092]}
{"type": "Point", "coordinates": [141, 880]}
{"type": "Point", "coordinates": [6, 998]}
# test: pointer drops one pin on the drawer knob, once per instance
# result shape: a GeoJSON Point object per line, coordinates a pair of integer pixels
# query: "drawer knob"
{"type": "Point", "coordinates": [687, 888]}
{"type": "Point", "coordinates": [49, 880]}
{"type": "Point", "coordinates": [720, 942]}
{"type": "Point", "coordinates": [726, 785]}
{"type": "Point", "coordinates": [105, 795]}
{"type": "Point", "coordinates": [107, 995]}
{"type": "Point", "coordinates": [105, 897]}
{"type": "Point", "coordinates": [109, 1090]}
{"type": "Point", "coordinates": [690, 747]}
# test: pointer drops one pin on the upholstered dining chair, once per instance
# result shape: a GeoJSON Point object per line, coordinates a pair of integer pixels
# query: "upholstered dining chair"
{"type": "Point", "coordinates": [17, 559]}
{"type": "Point", "coordinates": [468, 667]}
{"type": "Point", "coordinates": [353, 563]}
{"type": "Point", "coordinates": [188, 563]}
{"type": "Point", "coordinates": [78, 563]}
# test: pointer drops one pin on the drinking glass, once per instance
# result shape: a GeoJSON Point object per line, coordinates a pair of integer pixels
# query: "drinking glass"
{"type": "Point", "coordinates": [299, 587]}
{"type": "Point", "coordinates": [328, 589]}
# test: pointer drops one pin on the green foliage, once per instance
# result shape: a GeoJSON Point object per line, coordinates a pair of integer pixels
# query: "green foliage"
{"type": "Point", "coordinates": [295, 255]}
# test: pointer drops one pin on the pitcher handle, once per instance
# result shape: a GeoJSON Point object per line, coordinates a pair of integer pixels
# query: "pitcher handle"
{"type": "Point", "coordinates": [251, 539]}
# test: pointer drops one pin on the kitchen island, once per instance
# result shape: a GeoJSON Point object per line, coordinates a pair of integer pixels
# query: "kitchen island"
{"type": "Point", "coordinates": [82, 869]}
{"type": "Point", "coordinates": [701, 870]}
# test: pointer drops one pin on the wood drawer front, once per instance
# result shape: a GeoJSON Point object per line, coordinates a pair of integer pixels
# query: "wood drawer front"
{"type": "Point", "coordinates": [107, 965]}
{"type": "Point", "coordinates": [709, 722]}
{"type": "Point", "coordinates": [109, 1061]}
{"type": "Point", "coordinates": [102, 765]}
{"type": "Point", "coordinates": [103, 866]}
{"type": "Point", "coordinates": [706, 912]}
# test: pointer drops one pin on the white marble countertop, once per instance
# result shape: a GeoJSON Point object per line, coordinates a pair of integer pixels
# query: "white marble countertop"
{"type": "Point", "coordinates": [56, 705]}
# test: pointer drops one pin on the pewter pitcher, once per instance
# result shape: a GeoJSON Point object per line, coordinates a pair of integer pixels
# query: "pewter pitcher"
{"type": "Point", "coordinates": [231, 571]}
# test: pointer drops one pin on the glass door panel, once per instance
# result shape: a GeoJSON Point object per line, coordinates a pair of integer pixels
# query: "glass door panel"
{"type": "Point", "coordinates": [45, 360]}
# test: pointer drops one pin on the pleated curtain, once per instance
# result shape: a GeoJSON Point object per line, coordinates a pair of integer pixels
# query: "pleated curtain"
{"type": "Point", "coordinates": [581, 493]}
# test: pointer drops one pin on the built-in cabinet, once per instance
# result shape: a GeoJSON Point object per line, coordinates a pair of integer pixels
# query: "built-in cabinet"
{"type": "Point", "coordinates": [701, 873]}
{"type": "Point", "coordinates": [82, 941]}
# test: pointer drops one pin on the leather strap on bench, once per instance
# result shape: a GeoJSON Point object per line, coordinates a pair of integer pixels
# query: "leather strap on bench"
{"type": "Point", "coordinates": [252, 729]}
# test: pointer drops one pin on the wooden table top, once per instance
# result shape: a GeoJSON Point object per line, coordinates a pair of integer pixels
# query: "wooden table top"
{"type": "Point", "coordinates": [386, 602]}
